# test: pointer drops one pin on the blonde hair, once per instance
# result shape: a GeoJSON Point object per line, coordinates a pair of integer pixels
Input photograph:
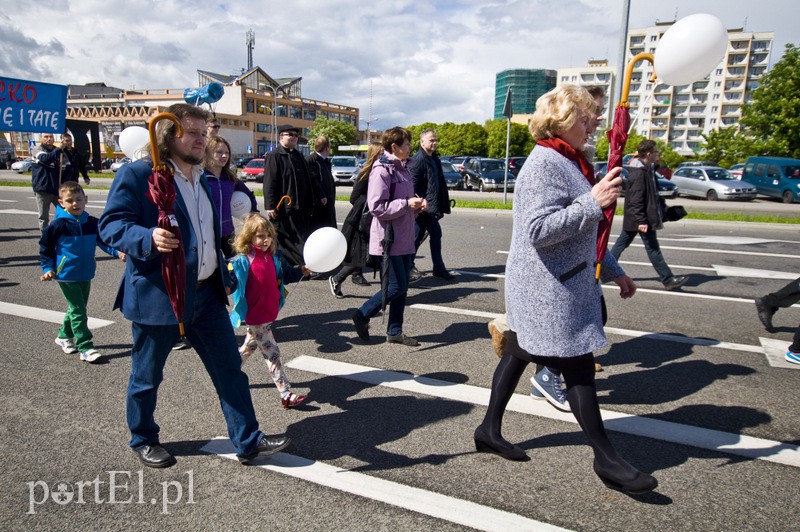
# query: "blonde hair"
{"type": "Point", "coordinates": [254, 223]}
{"type": "Point", "coordinates": [374, 151]}
{"type": "Point", "coordinates": [559, 109]}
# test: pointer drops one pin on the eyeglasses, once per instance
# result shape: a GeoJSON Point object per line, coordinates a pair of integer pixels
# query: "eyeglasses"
{"type": "Point", "coordinates": [288, 134]}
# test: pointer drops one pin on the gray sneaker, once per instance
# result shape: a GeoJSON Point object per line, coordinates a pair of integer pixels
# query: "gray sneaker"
{"type": "Point", "coordinates": [401, 338]}
{"type": "Point", "coordinates": [549, 384]}
{"type": "Point", "coordinates": [676, 282]}
{"type": "Point", "coordinates": [414, 275]}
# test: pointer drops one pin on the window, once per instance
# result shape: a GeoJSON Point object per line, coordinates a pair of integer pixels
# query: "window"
{"type": "Point", "coordinates": [717, 84]}
{"type": "Point", "coordinates": [309, 114]}
{"type": "Point", "coordinates": [653, 38]}
{"type": "Point", "coordinates": [719, 72]}
{"type": "Point", "coordinates": [280, 110]}
{"type": "Point", "coordinates": [760, 167]}
{"type": "Point", "coordinates": [773, 171]}
{"type": "Point", "coordinates": [251, 106]}
{"type": "Point", "coordinates": [295, 112]}
{"type": "Point", "coordinates": [263, 128]}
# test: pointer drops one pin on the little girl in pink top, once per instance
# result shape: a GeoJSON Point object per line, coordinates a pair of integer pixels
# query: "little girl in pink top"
{"type": "Point", "coordinates": [261, 273]}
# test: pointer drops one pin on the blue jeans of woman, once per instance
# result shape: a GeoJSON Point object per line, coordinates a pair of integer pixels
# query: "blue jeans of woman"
{"type": "Point", "coordinates": [396, 290]}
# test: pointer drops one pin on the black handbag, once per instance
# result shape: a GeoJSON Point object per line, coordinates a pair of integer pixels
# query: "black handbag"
{"type": "Point", "coordinates": [365, 222]}
{"type": "Point", "coordinates": [675, 213]}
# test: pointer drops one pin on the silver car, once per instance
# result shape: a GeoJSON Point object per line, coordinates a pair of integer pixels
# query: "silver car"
{"type": "Point", "coordinates": [713, 183]}
{"type": "Point", "coordinates": [22, 166]}
{"type": "Point", "coordinates": [344, 169]}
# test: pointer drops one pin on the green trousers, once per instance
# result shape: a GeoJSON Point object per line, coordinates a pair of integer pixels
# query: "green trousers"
{"type": "Point", "coordinates": [76, 321]}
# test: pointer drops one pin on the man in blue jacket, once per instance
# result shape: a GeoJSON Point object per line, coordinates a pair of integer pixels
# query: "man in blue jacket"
{"type": "Point", "coordinates": [45, 177]}
{"type": "Point", "coordinates": [129, 224]}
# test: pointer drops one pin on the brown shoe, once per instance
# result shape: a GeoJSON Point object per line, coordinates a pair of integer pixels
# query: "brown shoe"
{"type": "Point", "coordinates": [597, 368]}
{"type": "Point", "coordinates": [498, 340]}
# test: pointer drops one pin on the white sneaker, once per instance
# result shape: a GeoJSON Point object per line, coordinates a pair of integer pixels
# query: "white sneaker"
{"type": "Point", "coordinates": [67, 345]}
{"type": "Point", "coordinates": [90, 356]}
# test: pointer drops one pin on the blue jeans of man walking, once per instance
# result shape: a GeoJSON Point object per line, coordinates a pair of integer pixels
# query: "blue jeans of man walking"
{"type": "Point", "coordinates": [650, 245]}
{"type": "Point", "coordinates": [212, 336]}
{"type": "Point", "coordinates": [396, 292]}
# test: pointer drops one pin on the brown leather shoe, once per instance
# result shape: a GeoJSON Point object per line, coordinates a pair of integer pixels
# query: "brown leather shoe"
{"type": "Point", "coordinates": [597, 368]}
{"type": "Point", "coordinates": [498, 340]}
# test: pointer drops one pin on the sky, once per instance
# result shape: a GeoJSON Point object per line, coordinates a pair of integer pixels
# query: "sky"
{"type": "Point", "coordinates": [412, 61]}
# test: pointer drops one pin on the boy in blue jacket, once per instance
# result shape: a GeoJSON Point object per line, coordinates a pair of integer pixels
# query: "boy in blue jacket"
{"type": "Point", "coordinates": [66, 253]}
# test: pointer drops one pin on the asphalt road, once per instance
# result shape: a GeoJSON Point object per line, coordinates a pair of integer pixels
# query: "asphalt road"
{"type": "Point", "coordinates": [385, 442]}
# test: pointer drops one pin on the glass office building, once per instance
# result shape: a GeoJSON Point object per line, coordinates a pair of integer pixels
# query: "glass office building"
{"type": "Point", "coordinates": [526, 87]}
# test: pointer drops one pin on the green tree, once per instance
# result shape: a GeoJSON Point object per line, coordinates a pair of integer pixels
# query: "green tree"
{"type": "Point", "coordinates": [772, 119]}
{"type": "Point", "coordinates": [520, 140]}
{"type": "Point", "coordinates": [338, 133]}
{"type": "Point", "coordinates": [728, 146]}
{"type": "Point", "coordinates": [601, 153]}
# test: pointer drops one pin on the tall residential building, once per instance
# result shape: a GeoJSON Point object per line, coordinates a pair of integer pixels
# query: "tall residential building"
{"type": "Point", "coordinates": [595, 73]}
{"type": "Point", "coordinates": [526, 87]}
{"type": "Point", "coordinates": [678, 115]}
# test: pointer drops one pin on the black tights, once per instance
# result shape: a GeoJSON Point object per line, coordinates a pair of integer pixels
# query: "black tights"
{"type": "Point", "coordinates": [578, 373]}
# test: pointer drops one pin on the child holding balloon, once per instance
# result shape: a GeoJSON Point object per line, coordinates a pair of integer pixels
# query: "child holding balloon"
{"type": "Point", "coordinates": [261, 272]}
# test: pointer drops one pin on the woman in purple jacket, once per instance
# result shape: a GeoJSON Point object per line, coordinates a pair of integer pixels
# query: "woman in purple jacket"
{"type": "Point", "coordinates": [391, 200]}
{"type": "Point", "coordinates": [223, 183]}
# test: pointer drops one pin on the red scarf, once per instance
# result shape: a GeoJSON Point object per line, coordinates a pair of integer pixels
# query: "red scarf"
{"type": "Point", "coordinates": [572, 154]}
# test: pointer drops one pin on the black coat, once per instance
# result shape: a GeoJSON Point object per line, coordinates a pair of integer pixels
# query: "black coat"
{"type": "Point", "coordinates": [643, 205]}
{"type": "Point", "coordinates": [357, 240]}
{"type": "Point", "coordinates": [429, 183]}
{"type": "Point", "coordinates": [320, 170]}
{"type": "Point", "coordinates": [286, 173]}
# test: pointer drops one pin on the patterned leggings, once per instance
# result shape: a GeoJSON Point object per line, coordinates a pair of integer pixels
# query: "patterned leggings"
{"type": "Point", "coordinates": [260, 337]}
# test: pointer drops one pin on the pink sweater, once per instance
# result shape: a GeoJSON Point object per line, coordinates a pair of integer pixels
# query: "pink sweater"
{"type": "Point", "coordinates": [263, 298]}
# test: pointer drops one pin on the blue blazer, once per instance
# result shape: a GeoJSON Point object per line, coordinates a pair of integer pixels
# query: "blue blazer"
{"type": "Point", "coordinates": [127, 225]}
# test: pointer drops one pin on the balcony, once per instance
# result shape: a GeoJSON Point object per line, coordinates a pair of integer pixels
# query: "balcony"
{"type": "Point", "coordinates": [737, 46]}
{"type": "Point", "coordinates": [663, 87]}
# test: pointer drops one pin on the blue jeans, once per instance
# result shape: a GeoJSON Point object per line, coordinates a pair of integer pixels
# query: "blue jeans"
{"type": "Point", "coordinates": [212, 336]}
{"type": "Point", "coordinates": [431, 224]}
{"type": "Point", "coordinates": [396, 292]}
{"type": "Point", "coordinates": [650, 245]}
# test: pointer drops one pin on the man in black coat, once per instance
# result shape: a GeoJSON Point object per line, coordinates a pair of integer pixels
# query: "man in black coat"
{"type": "Point", "coordinates": [73, 163]}
{"type": "Point", "coordinates": [319, 165]}
{"type": "Point", "coordinates": [645, 214]}
{"type": "Point", "coordinates": [429, 183]}
{"type": "Point", "coordinates": [286, 174]}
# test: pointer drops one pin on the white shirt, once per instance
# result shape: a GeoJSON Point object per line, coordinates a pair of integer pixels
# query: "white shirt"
{"type": "Point", "coordinates": [201, 215]}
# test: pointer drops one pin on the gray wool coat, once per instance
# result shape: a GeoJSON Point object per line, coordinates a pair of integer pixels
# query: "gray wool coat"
{"type": "Point", "coordinates": [552, 299]}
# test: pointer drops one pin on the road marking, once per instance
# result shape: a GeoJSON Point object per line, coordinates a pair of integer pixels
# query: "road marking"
{"type": "Point", "coordinates": [721, 251]}
{"type": "Point", "coordinates": [775, 351]}
{"type": "Point", "coordinates": [417, 500]}
{"type": "Point", "coordinates": [722, 240]}
{"type": "Point", "coordinates": [733, 271]}
{"type": "Point", "coordinates": [714, 440]}
{"type": "Point", "coordinates": [17, 211]}
{"type": "Point", "coordinates": [50, 316]}
{"type": "Point", "coordinates": [8, 201]}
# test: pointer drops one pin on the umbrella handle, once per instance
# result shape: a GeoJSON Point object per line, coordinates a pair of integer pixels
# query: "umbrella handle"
{"type": "Point", "coordinates": [626, 85]}
{"type": "Point", "coordinates": [151, 129]}
{"type": "Point", "coordinates": [280, 201]}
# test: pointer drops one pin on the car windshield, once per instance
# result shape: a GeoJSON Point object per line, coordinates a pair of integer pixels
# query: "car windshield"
{"type": "Point", "coordinates": [256, 163]}
{"type": "Point", "coordinates": [492, 166]}
{"type": "Point", "coordinates": [792, 172]}
{"type": "Point", "coordinates": [343, 161]}
{"type": "Point", "coordinates": [718, 174]}
{"type": "Point", "coordinates": [447, 167]}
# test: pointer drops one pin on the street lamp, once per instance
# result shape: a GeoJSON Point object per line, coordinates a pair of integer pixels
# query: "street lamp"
{"type": "Point", "coordinates": [274, 90]}
{"type": "Point", "coordinates": [271, 119]}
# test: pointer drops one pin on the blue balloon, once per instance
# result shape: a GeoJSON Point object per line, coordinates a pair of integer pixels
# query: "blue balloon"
{"type": "Point", "coordinates": [209, 94]}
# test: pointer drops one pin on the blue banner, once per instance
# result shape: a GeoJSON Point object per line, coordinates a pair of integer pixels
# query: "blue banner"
{"type": "Point", "coordinates": [32, 107]}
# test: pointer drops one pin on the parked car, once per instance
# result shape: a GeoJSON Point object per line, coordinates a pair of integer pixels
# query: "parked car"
{"type": "Point", "coordinates": [697, 163]}
{"type": "Point", "coordinates": [711, 182]}
{"type": "Point", "coordinates": [253, 171]}
{"type": "Point", "coordinates": [116, 165]}
{"type": "Point", "coordinates": [486, 174]}
{"type": "Point", "coordinates": [736, 170]}
{"type": "Point", "coordinates": [22, 166]}
{"type": "Point", "coordinates": [344, 169]}
{"type": "Point", "coordinates": [666, 189]}
{"type": "Point", "coordinates": [241, 162]}
{"type": "Point", "coordinates": [515, 165]}
{"type": "Point", "coordinates": [778, 177]}
{"type": "Point", "coordinates": [452, 176]}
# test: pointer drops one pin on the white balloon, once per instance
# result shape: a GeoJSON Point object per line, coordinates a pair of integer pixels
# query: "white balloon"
{"type": "Point", "coordinates": [324, 249]}
{"type": "Point", "coordinates": [240, 204]}
{"type": "Point", "coordinates": [690, 49]}
{"type": "Point", "coordinates": [134, 142]}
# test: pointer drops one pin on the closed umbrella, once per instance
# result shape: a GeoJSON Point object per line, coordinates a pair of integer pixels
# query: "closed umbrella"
{"type": "Point", "coordinates": [162, 193]}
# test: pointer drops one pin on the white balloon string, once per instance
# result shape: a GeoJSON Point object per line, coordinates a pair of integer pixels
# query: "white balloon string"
{"type": "Point", "coordinates": [641, 106]}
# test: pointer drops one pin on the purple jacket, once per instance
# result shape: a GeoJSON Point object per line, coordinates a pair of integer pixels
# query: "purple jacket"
{"type": "Point", "coordinates": [390, 186]}
{"type": "Point", "coordinates": [221, 192]}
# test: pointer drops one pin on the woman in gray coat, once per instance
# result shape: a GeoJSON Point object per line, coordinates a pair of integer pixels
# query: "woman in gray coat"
{"type": "Point", "coordinates": [552, 299]}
